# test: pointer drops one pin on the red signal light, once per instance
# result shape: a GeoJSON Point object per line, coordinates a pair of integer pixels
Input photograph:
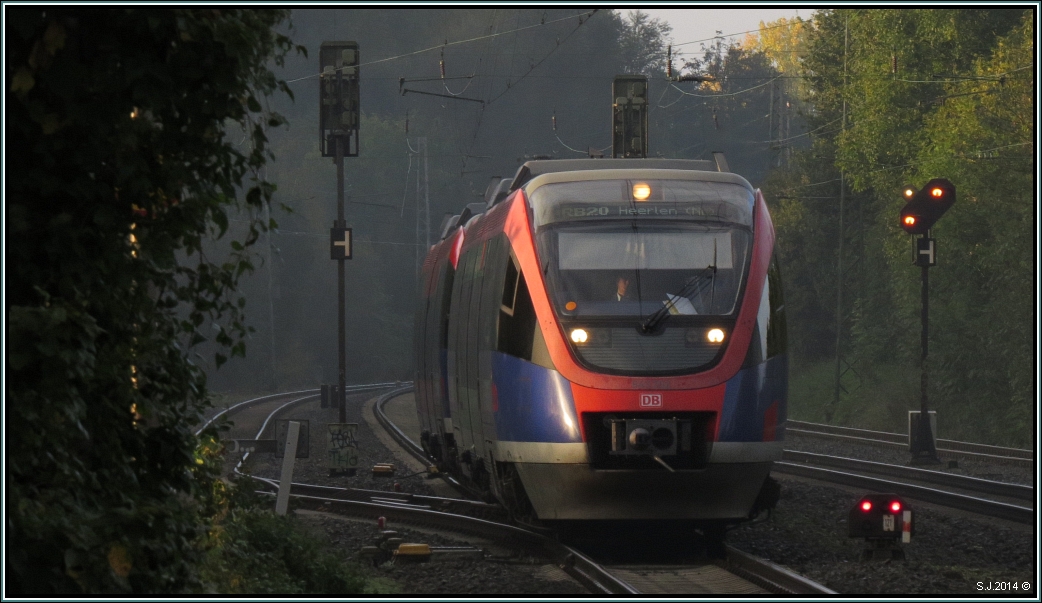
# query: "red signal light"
{"type": "Point", "coordinates": [866, 505]}
{"type": "Point", "coordinates": [936, 192]}
{"type": "Point", "coordinates": [895, 507]}
{"type": "Point", "coordinates": [910, 220]}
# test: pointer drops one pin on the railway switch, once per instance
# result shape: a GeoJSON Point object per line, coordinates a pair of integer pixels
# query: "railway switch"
{"type": "Point", "coordinates": [885, 522]}
{"type": "Point", "coordinates": [383, 470]}
{"type": "Point", "coordinates": [412, 552]}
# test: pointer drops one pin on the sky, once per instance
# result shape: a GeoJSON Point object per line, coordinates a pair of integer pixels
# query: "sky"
{"type": "Point", "coordinates": [694, 24]}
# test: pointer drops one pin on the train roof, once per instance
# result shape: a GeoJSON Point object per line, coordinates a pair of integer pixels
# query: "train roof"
{"type": "Point", "coordinates": [531, 169]}
{"type": "Point", "coordinates": [499, 189]}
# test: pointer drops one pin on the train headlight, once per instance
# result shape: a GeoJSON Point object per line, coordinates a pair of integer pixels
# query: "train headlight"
{"type": "Point", "coordinates": [641, 191]}
{"type": "Point", "coordinates": [715, 335]}
{"type": "Point", "coordinates": [579, 335]}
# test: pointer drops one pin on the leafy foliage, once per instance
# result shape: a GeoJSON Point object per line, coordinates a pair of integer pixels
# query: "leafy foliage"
{"type": "Point", "coordinates": [119, 169]}
{"type": "Point", "coordinates": [898, 97]}
{"type": "Point", "coordinates": [642, 44]}
{"type": "Point", "coordinates": [250, 550]}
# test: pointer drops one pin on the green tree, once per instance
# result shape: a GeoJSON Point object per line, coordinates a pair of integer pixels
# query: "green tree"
{"type": "Point", "coordinates": [982, 134]}
{"type": "Point", "coordinates": [642, 44]}
{"type": "Point", "coordinates": [902, 96]}
{"type": "Point", "coordinates": [120, 167]}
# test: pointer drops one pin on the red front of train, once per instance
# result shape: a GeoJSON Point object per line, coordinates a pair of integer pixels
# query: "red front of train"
{"type": "Point", "coordinates": [608, 343]}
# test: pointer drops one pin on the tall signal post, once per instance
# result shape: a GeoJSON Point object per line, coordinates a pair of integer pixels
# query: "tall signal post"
{"type": "Point", "coordinates": [629, 120]}
{"type": "Point", "coordinates": [918, 216]}
{"type": "Point", "coordinates": [339, 114]}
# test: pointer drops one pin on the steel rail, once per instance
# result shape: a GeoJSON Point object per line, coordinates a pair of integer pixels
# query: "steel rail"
{"type": "Point", "coordinates": [406, 442]}
{"type": "Point", "coordinates": [591, 575]}
{"type": "Point", "coordinates": [985, 486]}
{"type": "Point", "coordinates": [251, 402]}
{"type": "Point", "coordinates": [941, 452]}
{"type": "Point", "coordinates": [311, 394]}
{"type": "Point", "coordinates": [988, 450]}
{"type": "Point", "coordinates": [395, 432]}
{"type": "Point", "coordinates": [759, 571]}
{"type": "Point", "coordinates": [769, 576]}
{"type": "Point", "coordinates": [457, 506]}
{"type": "Point", "coordinates": [579, 566]}
{"type": "Point", "coordinates": [973, 504]}
{"type": "Point", "coordinates": [254, 401]}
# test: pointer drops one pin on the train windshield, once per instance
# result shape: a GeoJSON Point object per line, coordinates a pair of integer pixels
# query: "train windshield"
{"type": "Point", "coordinates": [636, 269]}
{"type": "Point", "coordinates": [632, 246]}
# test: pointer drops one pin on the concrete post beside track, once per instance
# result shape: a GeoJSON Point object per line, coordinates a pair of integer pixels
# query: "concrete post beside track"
{"type": "Point", "coordinates": [286, 479]}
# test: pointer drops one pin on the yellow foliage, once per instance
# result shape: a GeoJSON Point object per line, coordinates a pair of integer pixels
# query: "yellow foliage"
{"type": "Point", "coordinates": [23, 81]}
{"type": "Point", "coordinates": [119, 560]}
{"type": "Point", "coordinates": [783, 41]}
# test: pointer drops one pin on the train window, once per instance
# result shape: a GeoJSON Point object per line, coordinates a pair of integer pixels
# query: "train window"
{"type": "Point", "coordinates": [769, 335]}
{"type": "Point", "coordinates": [518, 333]}
{"type": "Point", "coordinates": [635, 269]}
{"type": "Point", "coordinates": [510, 287]}
{"type": "Point", "coordinates": [777, 336]}
{"type": "Point", "coordinates": [516, 329]}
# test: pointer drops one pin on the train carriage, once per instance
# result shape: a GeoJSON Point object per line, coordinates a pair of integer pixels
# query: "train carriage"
{"type": "Point", "coordinates": [607, 342]}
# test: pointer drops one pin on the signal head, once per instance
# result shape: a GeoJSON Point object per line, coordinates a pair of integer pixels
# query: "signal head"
{"type": "Point", "coordinates": [927, 205]}
{"type": "Point", "coordinates": [880, 516]}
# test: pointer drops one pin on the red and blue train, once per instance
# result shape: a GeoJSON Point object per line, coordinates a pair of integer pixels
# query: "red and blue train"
{"type": "Point", "coordinates": [604, 339]}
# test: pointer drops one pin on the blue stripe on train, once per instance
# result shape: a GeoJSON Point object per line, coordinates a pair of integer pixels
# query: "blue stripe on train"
{"type": "Point", "coordinates": [534, 404]}
{"type": "Point", "coordinates": [748, 396]}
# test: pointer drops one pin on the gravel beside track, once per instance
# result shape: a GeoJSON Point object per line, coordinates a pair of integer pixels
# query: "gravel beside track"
{"type": "Point", "coordinates": [503, 576]}
{"type": "Point", "coordinates": [950, 553]}
{"type": "Point", "coordinates": [970, 467]}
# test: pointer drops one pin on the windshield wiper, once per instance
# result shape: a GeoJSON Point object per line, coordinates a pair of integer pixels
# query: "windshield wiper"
{"type": "Point", "coordinates": [663, 313]}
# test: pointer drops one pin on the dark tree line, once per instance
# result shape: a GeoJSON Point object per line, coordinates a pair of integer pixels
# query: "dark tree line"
{"type": "Point", "coordinates": [119, 169]}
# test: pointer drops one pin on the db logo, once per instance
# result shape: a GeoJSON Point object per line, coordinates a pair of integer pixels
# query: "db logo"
{"type": "Point", "coordinates": [649, 400]}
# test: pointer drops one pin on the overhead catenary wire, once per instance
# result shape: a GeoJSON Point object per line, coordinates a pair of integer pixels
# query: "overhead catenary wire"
{"type": "Point", "coordinates": [533, 67]}
{"type": "Point", "coordinates": [962, 155]}
{"type": "Point", "coordinates": [455, 43]}
{"type": "Point", "coordinates": [720, 36]}
{"type": "Point", "coordinates": [721, 94]}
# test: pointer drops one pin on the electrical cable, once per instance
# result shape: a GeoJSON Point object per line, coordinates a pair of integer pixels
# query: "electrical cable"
{"type": "Point", "coordinates": [407, 172]}
{"type": "Point", "coordinates": [457, 42]}
{"type": "Point", "coordinates": [552, 51]}
{"type": "Point", "coordinates": [568, 147]}
{"type": "Point", "coordinates": [788, 24]}
{"type": "Point", "coordinates": [963, 155]}
{"type": "Point", "coordinates": [724, 93]}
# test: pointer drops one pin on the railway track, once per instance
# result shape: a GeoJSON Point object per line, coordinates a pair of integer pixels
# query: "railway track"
{"type": "Point", "coordinates": [950, 449]}
{"type": "Point", "coordinates": [947, 498]}
{"type": "Point", "coordinates": [739, 573]}
{"type": "Point", "coordinates": [860, 474]}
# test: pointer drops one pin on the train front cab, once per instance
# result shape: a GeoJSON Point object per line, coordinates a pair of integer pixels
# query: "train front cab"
{"type": "Point", "coordinates": [727, 417]}
{"type": "Point", "coordinates": [525, 408]}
